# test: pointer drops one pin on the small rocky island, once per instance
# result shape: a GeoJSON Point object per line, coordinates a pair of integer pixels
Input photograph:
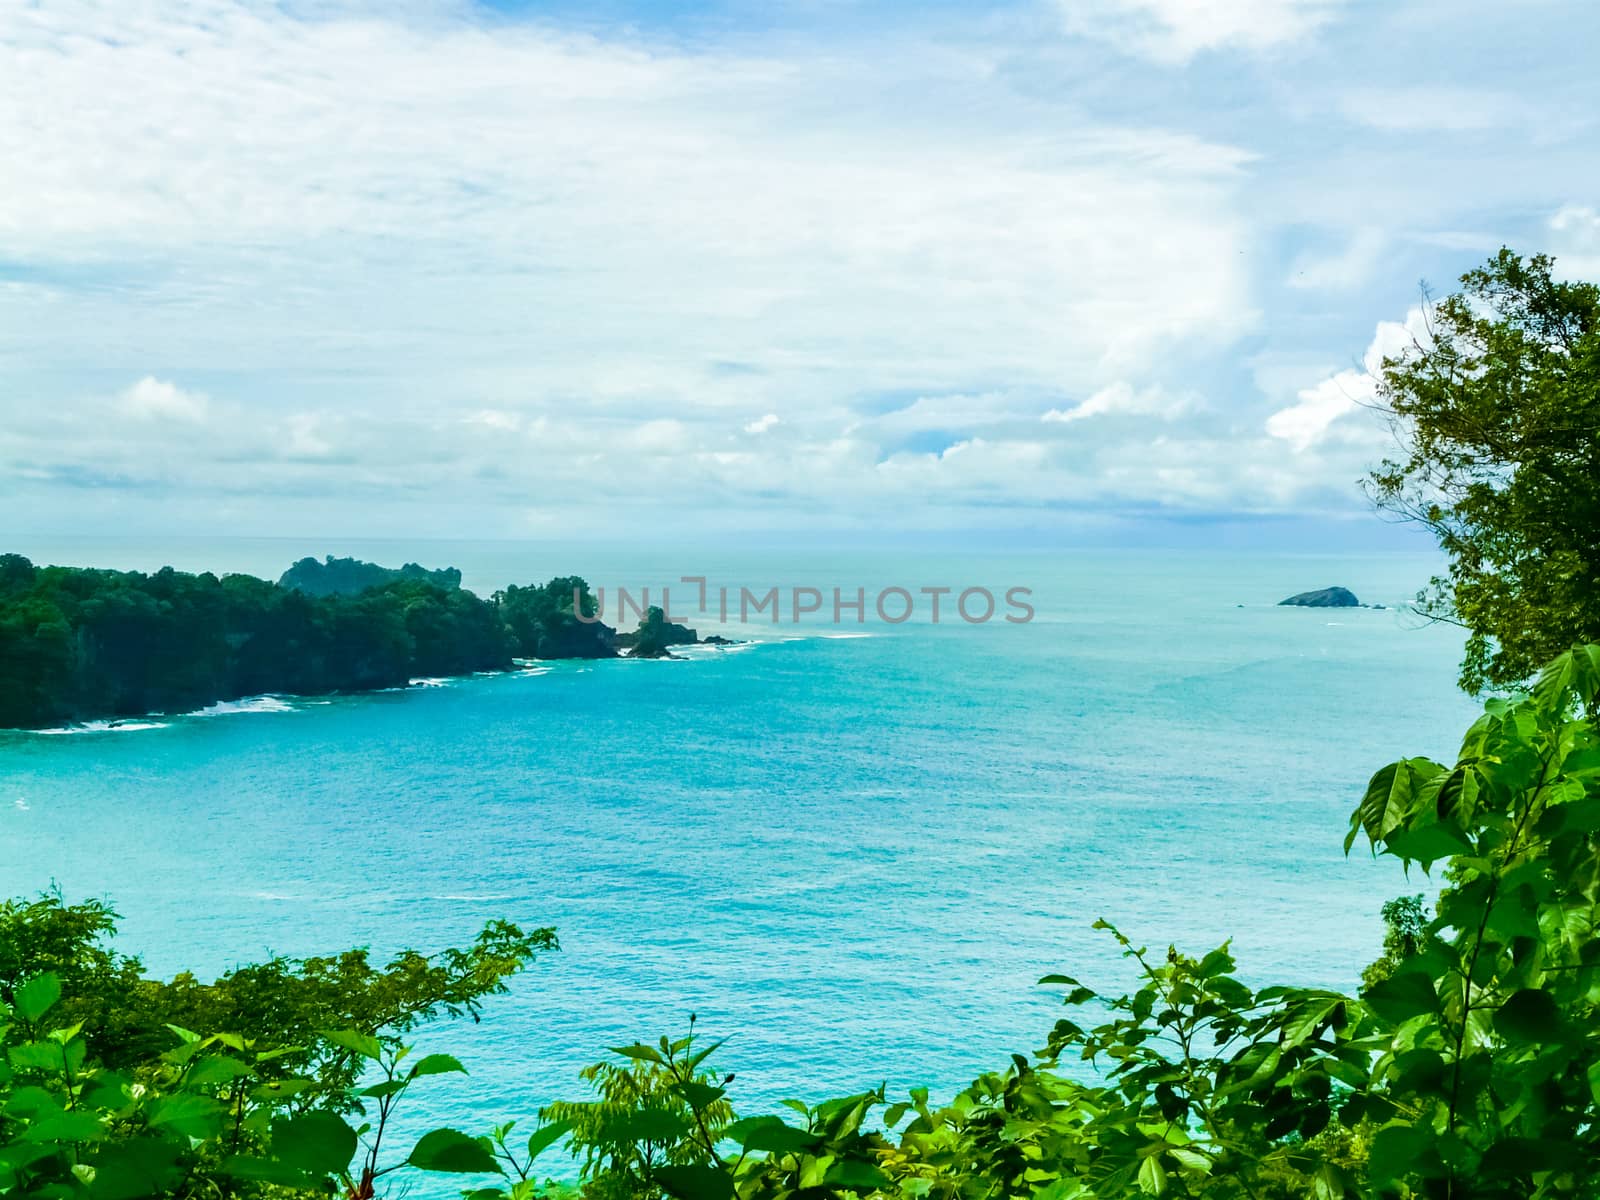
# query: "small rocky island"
{"type": "Point", "coordinates": [1328, 597]}
{"type": "Point", "coordinates": [656, 636]}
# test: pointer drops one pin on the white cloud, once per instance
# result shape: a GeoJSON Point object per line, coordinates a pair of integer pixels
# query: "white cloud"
{"type": "Point", "coordinates": [497, 419]}
{"type": "Point", "coordinates": [1576, 241]}
{"type": "Point", "coordinates": [1307, 421]}
{"type": "Point", "coordinates": [1314, 416]}
{"type": "Point", "coordinates": [158, 399]}
{"type": "Point", "coordinates": [1174, 31]}
{"type": "Point", "coordinates": [451, 271]}
{"type": "Point", "coordinates": [525, 194]}
{"type": "Point", "coordinates": [1123, 399]}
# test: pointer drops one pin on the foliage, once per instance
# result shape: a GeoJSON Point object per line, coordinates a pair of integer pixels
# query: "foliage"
{"type": "Point", "coordinates": [655, 1111]}
{"type": "Point", "coordinates": [545, 624]}
{"type": "Point", "coordinates": [209, 1116]}
{"type": "Point", "coordinates": [1498, 410]}
{"type": "Point", "coordinates": [1405, 922]}
{"type": "Point", "coordinates": [124, 1018]}
{"type": "Point", "coordinates": [77, 644]}
{"type": "Point", "coordinates": [351, 576]}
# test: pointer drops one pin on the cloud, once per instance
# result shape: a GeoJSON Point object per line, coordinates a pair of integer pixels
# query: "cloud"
{"type": "Point", "coordinates": [468, 190]}
{"type": "Point", "coordinates": [497, 419]}
{"type": "Point", "coordinates": [1575, 231]}
{"type": "Point", "coordinates": [1122, 399]}
{"type": "Point", "coordinates": [429, 267]}
{"type": "Point", "coordinates": [157, 399]}
{"type": "Point", "coordinates": [1174, 31]}
{"type": "Point", "coordinates": [1318, 409]}
{"type": "Point", "coordinates": [1307, 422]}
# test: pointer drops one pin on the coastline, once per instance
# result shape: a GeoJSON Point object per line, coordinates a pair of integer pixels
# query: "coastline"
{"type": "Point", "coordinates": [273, 703]}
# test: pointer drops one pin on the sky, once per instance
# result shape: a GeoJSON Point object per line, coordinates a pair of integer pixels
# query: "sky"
{"type": "Point", "coordinates": [436, 268]}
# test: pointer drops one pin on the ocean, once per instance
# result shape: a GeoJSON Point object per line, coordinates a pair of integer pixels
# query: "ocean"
{"type": "Point", "coordinates": [850, 849]}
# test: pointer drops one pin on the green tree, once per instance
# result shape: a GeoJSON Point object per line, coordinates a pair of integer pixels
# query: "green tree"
{"type": "Point", "coordinates": [284, 1003]}
{"type": "Point", "coordinates": [1497, 408]}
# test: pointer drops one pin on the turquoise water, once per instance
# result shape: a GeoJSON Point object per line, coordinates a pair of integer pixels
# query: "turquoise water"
{"type": "Point", "coordinates": [854, 855]}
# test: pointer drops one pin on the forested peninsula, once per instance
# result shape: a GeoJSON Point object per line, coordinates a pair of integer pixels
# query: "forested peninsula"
{"type": "Point", "coordinates": [79, 644]}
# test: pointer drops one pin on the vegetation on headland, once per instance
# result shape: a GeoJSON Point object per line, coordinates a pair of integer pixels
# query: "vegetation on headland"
{"type": "Point", "coordinates": [545, 623]}
{"type": "Point", "coordinates": [78, 644]}
{"type": "Point", "coordinates": [1467, 1067]}
{"type": "Point", "coordinates": [351, 576]}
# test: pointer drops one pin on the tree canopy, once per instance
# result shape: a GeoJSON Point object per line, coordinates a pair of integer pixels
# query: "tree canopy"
{"type": "Point", "coordinates": [349, 576]}
{"type": "Point", "coordinates": [77, 644]}
{"type": "Point", "coordinates": [1497, 407]}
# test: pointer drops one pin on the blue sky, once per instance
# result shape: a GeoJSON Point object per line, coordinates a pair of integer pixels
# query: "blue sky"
{"type": "Point", "coordinates": [526, 270]}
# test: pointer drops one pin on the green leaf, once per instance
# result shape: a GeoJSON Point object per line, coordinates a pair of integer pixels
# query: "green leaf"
{"type": "Point", "coordinates": [191, 1115]}
{"type": "Point", "coordinates": [1403, 996]}
{"type": "Point", "coordinates": [1575, 673]}
{"type": "Point", "coordinates": [269, 1170]}
{"type": "Point", "coordinates": [37, 996]}
{"type": "Point", "coordinates": [217, 1069]}
{"type": "Point", "coordinates": [437, 1064]}
{"type": "Point", "coordinates": [1152, 1176]}
{"type": "Point", "coordinates": [318, 1142]}
{"type": "Point", "coordinates": [856, 1175]}
{"type": "Point", "coordinates": [1390, 799]}
{"type": "Point", "coordinates": [772, 1135]}
{"type": "Point", "coordinates": [652, 1125]}
{"type": "Point", "coordinates": [640, 1053]}
{"type": "Point", "coordinates": [1060, 1189]}
{"type": "Point", "coordinates": [389, 1087]}
{"type": "Point", "coordinates": [139, 1167]}
{"type": "Point", "coordinates": [1217, 962]}
{"type": "Point", "coordinates": [37, 1056]}
{"type": "Point", "coordinates": [695, 1182]}
{"type": "Point", "coordinates": [1399, 1151]}
{"type": "Point", "coordinates": [363, 1044]}
{"type": "Point", "coordinates": [1529, 1016]}
{"type": "Point", "coordinates": [1329, 1183]}
{"type": "Point", "coordinates": [1427, 844]}
{"type": "Point", "coordinates": [30, 1103]}
{"type": "Point", "coordinates": [700, 1095]}
{"type": "Point", "coordinates": [451, 1150]}
{"type": "Point", "coordinates": [67, 1127]}
{"type": "Point", "coordinates": [1304, 1019]}
{"type": "Point", "coordinates": [545, 1136]}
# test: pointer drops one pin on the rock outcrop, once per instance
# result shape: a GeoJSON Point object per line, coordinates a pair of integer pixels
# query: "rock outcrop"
{"type": "Point", "coordinates": [1328, 597]}
{"type": "Point", "coordinates": [656, 636]}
